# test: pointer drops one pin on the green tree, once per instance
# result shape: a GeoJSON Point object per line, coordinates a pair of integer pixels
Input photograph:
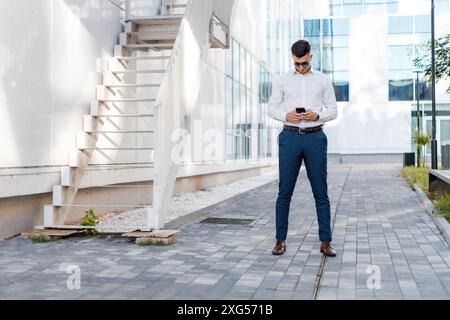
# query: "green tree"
{"type": "Point", "coordinates": [442, 55]}
{"type": "Point", "coordinates": [421, 140]}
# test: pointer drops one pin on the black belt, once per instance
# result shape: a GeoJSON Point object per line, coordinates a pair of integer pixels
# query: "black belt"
{"type": "Point", "coordinates": [303, 130]}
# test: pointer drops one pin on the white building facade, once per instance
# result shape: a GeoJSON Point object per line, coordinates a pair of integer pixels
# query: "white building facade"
{"type": "Point", "coordinates": [60, 65]}
{"type": "Point", "coordinates": [57, 55]}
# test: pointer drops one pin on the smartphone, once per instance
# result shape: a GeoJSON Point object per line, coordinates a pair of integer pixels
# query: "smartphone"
{"type": "Point", "coordinates": [300, 110]}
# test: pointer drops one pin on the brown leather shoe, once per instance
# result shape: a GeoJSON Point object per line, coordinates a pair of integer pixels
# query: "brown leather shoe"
{"type": "Point", "coordinates": [327, 250]}
{"type": "Point", "coordinates": [280, 248]}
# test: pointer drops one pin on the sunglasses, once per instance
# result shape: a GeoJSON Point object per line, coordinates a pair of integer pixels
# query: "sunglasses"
{"type": "Point", "coordinates": [303, 64]}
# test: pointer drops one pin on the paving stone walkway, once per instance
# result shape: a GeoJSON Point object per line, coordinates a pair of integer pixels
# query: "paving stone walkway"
{"type": "Point", "coordinates": [388, 248]}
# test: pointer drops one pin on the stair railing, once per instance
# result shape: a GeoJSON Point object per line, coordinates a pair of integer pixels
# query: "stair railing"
{"type": "Point", "coordinates": [178, 95]}
{"type": "Point", "coordinates": [136, 8]}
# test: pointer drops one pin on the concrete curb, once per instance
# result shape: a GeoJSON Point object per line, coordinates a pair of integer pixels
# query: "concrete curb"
{"type": "Point", "coordinates": [196, 216]}
{"type": "Point", "coordinates": [440, 222]}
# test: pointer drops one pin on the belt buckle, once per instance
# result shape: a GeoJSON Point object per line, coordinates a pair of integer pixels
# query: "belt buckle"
{"type": "Point", "coordinates": [299, 131]}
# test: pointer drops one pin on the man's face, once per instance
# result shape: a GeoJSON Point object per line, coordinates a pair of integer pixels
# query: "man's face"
{"type": "Point", "coordinates": [302, 64]}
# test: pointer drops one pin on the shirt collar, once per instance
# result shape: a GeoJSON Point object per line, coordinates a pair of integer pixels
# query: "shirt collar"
{"type": "Point", "coordinates": [312, 71]}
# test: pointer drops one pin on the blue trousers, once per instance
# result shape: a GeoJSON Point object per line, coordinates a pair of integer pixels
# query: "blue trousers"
{"type": "Point", "coordinates": [311, 148]}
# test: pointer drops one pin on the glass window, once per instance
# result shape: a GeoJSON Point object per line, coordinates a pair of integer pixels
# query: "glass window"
{"type": "Point", "coordinates": [340, 84]}
{"type": "Point", "coordinates": [236, 119]}
{"type": "Point", "coordinates": [401, 90]}
{"type": "Point", "coordinates": [255, 76]}
{"type": "Point", "coordinates": [340, 26]}
{"type": "Point", "coordinates": [352, 1]}
{"type": "Point", "coordinates": [248, 72]}
{"type": "Point", "coordinates": [400, 57]}
{"type": "Point", "coordinates": [327, 29]}
{"type": "Point", "coordinates": [315, 51]}
{"type": "Point", "coordinates": [441, 5]}
{"type": "Point", "coordinates": [243, 106]}
{"type": "Point", "coordinates": [392, 7]}
{"type": "Point", "coordinates": [249, 124]}
{"type": "Point", "coordinates": [340, 76]}
{"type": "Point", "coordinates": [229, 102]}
{"type": "Point", "coordinates": [312, 28]}
{"type": "Point", "coordinates": [335, 41]}
{"type": "Point", "coordinates": [336, 10]}
{"type": "Point", "coordinates": [236, 50]}
{"type": "Point", "coordinates": [403, 24]}
{"type": "Point", "coordinates": [375, 8]}
{"type": "Point", "coordinates": [352, 10]}
{"type": "Point", "coordinates": [243, 65]}
{"type": "Point", "coordinates": [229, 117]}
{"type": "Point", "coordinates": [243, 120]}
{"type": "Point", "coordinates": [265, 86]}
{"type": "Point", "coordinates": [335, 59]}
{"type": "Point", "coordinates": [445, 130]}
{"type": "Point", "coordinates": [423, 24]}
{"type": "Point", "coordinates": [400, 74]}
{"type": "Point", "coordinates": [341, 90]}
{"type": "Point", "coordinates": [340, 57]}
{"type": "Point", "coordinates": [330, 53]}
{"type": "Point", "coordinates": [229, 62]}
{"type": "Point", "coordinates": [421, 39]}
{"type": "Point", "coordinates": [424, 90]}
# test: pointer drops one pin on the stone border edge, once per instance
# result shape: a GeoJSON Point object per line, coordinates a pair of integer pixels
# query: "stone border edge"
{"type": "Point", "coordinates": [441, 223]}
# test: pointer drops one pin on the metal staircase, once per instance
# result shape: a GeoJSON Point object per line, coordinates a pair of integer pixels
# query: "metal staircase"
{"type": "Point", "coordinates": [141, 101]}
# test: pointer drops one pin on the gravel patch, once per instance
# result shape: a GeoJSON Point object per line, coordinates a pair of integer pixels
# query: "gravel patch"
{"type": "Point", "coordinates": [184, 203]}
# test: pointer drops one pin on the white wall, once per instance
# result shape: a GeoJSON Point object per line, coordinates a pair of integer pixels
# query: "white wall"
{"type": "Point", "coordinates": [369, 123]}
{"type": "Point", "coordinates": [248, 25]}
{"type": "Point", "coordinates": [50, 52]}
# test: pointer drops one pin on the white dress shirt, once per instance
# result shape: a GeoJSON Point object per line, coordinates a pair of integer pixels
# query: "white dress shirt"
{"type": "Point", "coordinates": [313, 90]}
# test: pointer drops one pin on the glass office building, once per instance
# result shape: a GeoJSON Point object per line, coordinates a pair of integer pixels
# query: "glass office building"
{"type": "Point", "coordinates": [367, 48]}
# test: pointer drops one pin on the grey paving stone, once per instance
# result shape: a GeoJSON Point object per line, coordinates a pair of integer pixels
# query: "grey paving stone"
{"type": "Point", "coordinates": [378, 222]}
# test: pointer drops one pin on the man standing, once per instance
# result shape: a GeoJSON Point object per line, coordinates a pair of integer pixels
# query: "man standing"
{"type": "Point", "coordinates": [298, 99]}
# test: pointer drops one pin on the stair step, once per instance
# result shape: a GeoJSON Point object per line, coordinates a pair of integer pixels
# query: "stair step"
{"type": "Point", "coordinates": [151, 20]}
{"type": "Point", "coordinates": [137, 85]}
{"type": "Point", "coordinates": [131, 58]}
{"type": "Point", "coordinates": [116, 148]}
{"type": "Point", "coordinates": [138, 71]}
{"type": "Point", "coordinates": [156, 35]}
{"type": "Point", "coordinates": [137, 115]}
{"type": "Point", "coordinates": [148, 45]}
{"type": "Point", "coordinates": [127, 100]}
{"type": "Point", "coordinates": [122, 131]}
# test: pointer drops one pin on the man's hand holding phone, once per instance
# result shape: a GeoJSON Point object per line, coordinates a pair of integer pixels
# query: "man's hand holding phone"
{"type": "Point", "coordinates": [301, 114]}
{"type": "Point", "coordinates": [294, 116]}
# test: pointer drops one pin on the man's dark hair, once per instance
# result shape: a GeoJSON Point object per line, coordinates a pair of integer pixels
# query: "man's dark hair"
{"type": "Point", "coordinates": [300, 48]}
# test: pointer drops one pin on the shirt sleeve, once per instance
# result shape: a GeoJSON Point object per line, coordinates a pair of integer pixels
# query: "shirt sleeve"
{"type": "Point", "coordinates": [329, 102]}
{"type": "Point", "coordinates": [274, 108]}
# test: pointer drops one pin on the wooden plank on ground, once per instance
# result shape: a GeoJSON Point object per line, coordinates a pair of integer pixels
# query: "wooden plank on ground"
{"type": "Point", "coordinates": [50, 233]}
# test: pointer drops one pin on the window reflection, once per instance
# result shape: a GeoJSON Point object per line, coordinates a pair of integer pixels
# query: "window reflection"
{"type": "Point", "coordinates": [329, 47]}
{"type": "Point", "coordinates": [415, 32]}
{"type": "Point", "coordinates": [358, 7]}
{"type": "Point", "coordinates": [248, 89]}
